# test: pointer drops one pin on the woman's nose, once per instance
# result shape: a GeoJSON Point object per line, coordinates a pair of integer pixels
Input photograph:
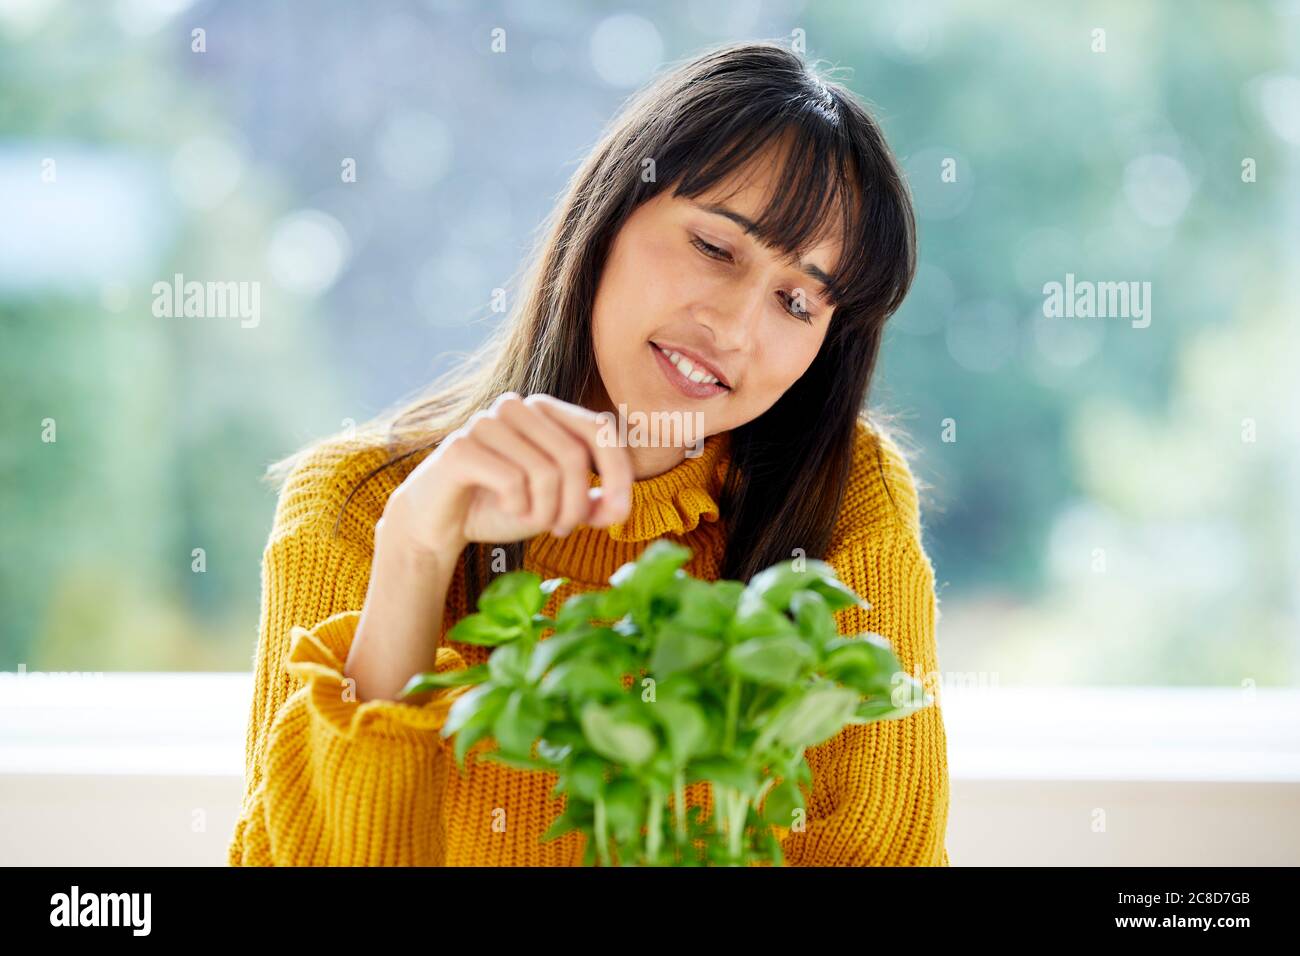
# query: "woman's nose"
{"type": "Point", "coordinates": [734, 313]}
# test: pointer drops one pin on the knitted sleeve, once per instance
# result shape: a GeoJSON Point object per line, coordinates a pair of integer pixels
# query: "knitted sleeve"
{"type": "Point", "coordinates": [880, 790]}
{"type": "Point", "coordinates": [330, 780]}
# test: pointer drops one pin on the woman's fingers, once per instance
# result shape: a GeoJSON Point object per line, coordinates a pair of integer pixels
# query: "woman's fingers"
{"type": "Point", "coordinates": [568, 461]}
{"type": "Point", "coordinates": [554, 446]}
{"type": "Point", "coordinates": [612, 462]}
{"type": "Point", "coordinates": [490, 469]}
{"type": "Point", "coordinates": [542, 479]}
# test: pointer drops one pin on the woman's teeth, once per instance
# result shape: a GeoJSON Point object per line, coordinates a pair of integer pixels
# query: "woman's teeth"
{"type": "Point", "coordinates": [684, 366]}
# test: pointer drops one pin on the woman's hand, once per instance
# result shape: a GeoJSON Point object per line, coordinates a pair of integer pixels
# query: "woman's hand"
{"type": "Point", "coordinates": [511, 472]}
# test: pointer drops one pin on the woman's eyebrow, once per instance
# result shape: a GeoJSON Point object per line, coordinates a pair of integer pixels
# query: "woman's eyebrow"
{"type": "Point", "coordinates": [744, 222]}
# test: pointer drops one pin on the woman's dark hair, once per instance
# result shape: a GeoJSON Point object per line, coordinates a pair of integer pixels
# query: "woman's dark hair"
{"type": "Point", "coordinates": [698, 123]}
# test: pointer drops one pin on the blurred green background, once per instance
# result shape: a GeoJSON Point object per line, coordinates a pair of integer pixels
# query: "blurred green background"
{"type": "Point", "coordinates": [1120, 505]}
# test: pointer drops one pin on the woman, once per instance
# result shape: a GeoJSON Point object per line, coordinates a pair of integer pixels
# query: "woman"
{"type": "Point", "coordinates": [728, 255]}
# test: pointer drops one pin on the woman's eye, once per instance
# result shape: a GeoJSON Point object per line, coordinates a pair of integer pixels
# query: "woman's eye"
{"type": "Point", "coordinates": [710, 250]}
{"type": "Point", "coordinates": [713, 252]}
{"type": "Point", "coordinates": [792, 306]}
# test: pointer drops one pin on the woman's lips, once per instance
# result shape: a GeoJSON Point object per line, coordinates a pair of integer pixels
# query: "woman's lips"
{"type": "Point", "coordinates": [681, 382]}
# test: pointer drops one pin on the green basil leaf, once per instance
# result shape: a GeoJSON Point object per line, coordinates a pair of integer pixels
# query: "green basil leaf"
{"type": "Point", "coordinates": [775, 661]}
{"type": "Point", "coordinates": [577, 610]}
{"type": "Point", "coordinates": [616, 738]}
{"type": "Point", "coordinates": [554, 649]}
{"type": "Point", "coordinates": [659, 771]}
{"type": "Point", "coordinates": [585, 777]}
{"type": "Point", "coordinates": [702, 609]}
{"type": "Point", "coordinates": [685, 725]}
{"type": "Point", "coordinates": [726, 771]}
{"type": "Point", "coordinates": [677, 650]}
{"type": "Point", "coordinates": [755, 618]}
{"type": "Point", "coordinates": [480, 704]}
{"type": "Point", "coordinates": [811, 719]}
{"type": "Point", "coordinates": [774, 849]}
{"type": "Point", "coordinates": [482, 629]}
{"type": "Point", "coordinates": [653, 572]}
{"type": "Point", "coordinates": [564, 823]}
{"type": "Point", "coordinates": [521, 721]}
{"type": "Point", "coordinates": [867, 665]}
{"type": "Point", "coordinates": [813, 617]}
{"type": "Point", "coordinates": [467, 737]}
{"type": "Point", "coordinates": [906, 697]}
{"type": "Point", "coordinates": [518, 763]}
{"type": "Point", "coordinates": [513, 598]}
{"type": "Point", "coordinates": [818, 716]}
{"type": "Point", "coordinates": [839, 595]}
{"type": "Point", "coordinates": [603, 605]}
{"type": "Point", "coordinates": [777, 584]}
{"type": "Point", "coordinates": [580, 679]}
{"type": "Point", "coordinates": [509, 664]}
{"type": "Point", "coordinates": [866, 637]}
{"type": "Point", "coordinates": [565, 735]}
{"type": "Point", "coordinates": [728, 592]}
{"type": "Point", "coordinates": [681, 686]}
{"type": "Point", "coordinates": [781, 803]}
{"type": "Point", "coordinates": [433, 680]}
{"type": "Point", "coordinates": [624, 808]}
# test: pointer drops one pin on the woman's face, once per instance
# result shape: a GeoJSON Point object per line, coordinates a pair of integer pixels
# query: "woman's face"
{"type": "Point", "coordinates": [684, 278]}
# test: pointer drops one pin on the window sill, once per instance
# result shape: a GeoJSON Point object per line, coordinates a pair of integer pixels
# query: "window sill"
{"type": "Point", "coordinates": [194, 724]}
{"type": "Point", "coordinates": [147, 769]}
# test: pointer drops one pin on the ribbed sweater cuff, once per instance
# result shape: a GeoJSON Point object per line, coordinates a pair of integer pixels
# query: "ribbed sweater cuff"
{"type": "Point", "coordinates": [316, 656]}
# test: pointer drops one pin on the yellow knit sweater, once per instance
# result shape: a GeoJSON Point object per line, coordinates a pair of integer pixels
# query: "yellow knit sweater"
{"type": "Point", "coordinates": [330, 781]}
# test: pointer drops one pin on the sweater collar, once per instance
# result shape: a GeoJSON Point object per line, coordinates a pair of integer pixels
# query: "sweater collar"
{"type": "Point", "coordinates": [675, 501]}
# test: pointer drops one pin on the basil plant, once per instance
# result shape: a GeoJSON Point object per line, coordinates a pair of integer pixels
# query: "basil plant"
{"type": "Point", "coordinates": [634, 692]}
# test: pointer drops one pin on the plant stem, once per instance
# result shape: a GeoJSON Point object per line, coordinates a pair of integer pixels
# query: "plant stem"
{"type": "Point", "coordinates": [721, 810]}
{"type": "Point", "coordinates": [728, 798]}
{"type": "Point", "coordinates": [654, 824]}
{"type": "Point", "coordinates": [733, 712]}
{"type": "Point", "coordinates": [739, 808]}
{"type": "Point", "coordinates": [679, 806]}
{"type": "Point", "coordinates": [760, 696]}
{"type": "Point", "coordinates": [601, 847]}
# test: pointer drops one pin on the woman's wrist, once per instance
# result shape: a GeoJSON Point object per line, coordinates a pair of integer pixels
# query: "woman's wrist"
{"type": "Point", "coordinates": [394, 543]}
{"type": "Point", "coordinates": [397, 635]}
